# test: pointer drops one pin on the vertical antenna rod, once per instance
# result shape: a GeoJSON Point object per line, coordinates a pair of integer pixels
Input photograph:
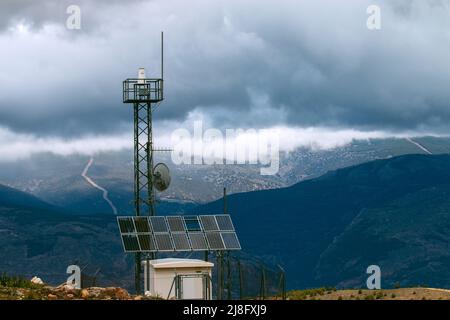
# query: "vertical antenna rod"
{"type": "Point", "coordinates": [162, 55]}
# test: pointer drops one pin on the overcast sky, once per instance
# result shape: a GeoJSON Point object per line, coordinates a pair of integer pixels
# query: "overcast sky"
{"type": "Point", "coordinates": [298, 65]}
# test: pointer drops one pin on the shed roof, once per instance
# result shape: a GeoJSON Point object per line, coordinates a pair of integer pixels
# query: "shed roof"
{"type": "Point", "coordinates": [179, 263]}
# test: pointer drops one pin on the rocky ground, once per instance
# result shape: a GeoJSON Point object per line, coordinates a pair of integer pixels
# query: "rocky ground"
{"type": "Point", "coordinates": [364, 294]}
{"type": "Point", "coordinates": [27, 290]}
{"type": "Point", "coordinates": [19, 288]}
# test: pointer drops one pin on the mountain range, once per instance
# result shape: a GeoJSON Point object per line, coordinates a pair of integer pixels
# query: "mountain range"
{"type": "Point", "coordinates": [58, 180]}
{"type": "Point", "coordinates": [394, 213]}
{"type": "Point", "coordinates": [324, 231]}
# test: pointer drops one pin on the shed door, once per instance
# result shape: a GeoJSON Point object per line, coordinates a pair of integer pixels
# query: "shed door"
{"type": "Point", "coordinates": [192, 288]}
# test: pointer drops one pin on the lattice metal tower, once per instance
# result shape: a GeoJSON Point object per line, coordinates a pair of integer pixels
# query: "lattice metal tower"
{"type": "Point", "coordinates": [144, 93]}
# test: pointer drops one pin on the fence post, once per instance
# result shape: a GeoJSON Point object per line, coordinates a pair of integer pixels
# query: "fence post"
{"type": "Point", "coordinates": [282, 284]}
{"type": "Point", "coordinates": [263, 283]}
{"type": "Point", "coordinates": [219, 275]}
{"type": "Point", "coordinates": [228, 276]}
{"type": "Point", "coordinates": [240, 280]}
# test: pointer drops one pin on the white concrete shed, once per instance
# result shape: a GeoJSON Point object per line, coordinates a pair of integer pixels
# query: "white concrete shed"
{"type": "Point", "coordinates": [178, 278]}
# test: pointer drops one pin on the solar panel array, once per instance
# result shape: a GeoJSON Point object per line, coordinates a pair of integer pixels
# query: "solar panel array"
{"type": "Point", "coordinates": [178, 233]}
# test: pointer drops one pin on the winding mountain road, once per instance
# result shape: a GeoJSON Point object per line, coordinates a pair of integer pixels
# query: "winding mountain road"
{"type": "Point", "coordinates": [421, 147]}
{"type": "Point", "coordinates": [95, 185]}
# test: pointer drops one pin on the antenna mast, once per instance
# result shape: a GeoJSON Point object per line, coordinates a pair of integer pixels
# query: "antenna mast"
{"type": "Point", "coordinates": [144, 93]}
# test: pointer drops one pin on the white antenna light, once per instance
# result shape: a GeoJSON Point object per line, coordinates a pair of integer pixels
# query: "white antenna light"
{"type": "Point", "coordinates": [141, 75]}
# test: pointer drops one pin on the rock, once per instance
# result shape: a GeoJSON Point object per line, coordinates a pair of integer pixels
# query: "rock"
{"type": "Point", "coordinates": [84, 294]}
{"type": "Point", "coordinates": [68, 287]}
{"type": "Point", "coordinates": [95, 291]}
{"type": "Point", "coordinates": [108, 292]}
{"type": "Point", "coordinates": [37, 280]}
{"type": "Point", "coordinates": [19, 293]}
{"type": "Point", "coordinates": [121, 294]}
{"type": "Point", "coordinates": [116, 293]}
{"type": "Point", "coordinates": [52, 297]}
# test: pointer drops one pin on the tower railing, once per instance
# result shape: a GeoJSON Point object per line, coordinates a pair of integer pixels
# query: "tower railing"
{"type": "Point", "coordinates": [143, 90]}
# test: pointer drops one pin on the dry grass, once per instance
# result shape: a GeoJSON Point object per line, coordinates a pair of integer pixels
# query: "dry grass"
{"type": "Point", "coordinates": [364, 294]}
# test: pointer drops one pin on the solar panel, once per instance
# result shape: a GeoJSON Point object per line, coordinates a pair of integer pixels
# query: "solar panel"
{"type": "Point", "coordinates": [147, 242]}
{"type": "Point", "coordinates": [224, 222]}
{"type": "Point", "coordinates": [198, 241]}
{"type": "Point", "coordinates": [231, 241]}
{"type": "Point", "coordinates": [215, 241]}
{"type": "Point", "coordinates": [192, 223]}
{"type": "Point", "coordinates": [181, 242]}
{"type": "Point", "coordinates": [163, 242]}
{"type": "Point", "coordinates": [159, 224]}
{"type": "Point", "coordinates": [176, 224]}
{"type": "Point", "coordinates": [126, 225]}
{"type": "Point", "coordinates": [209, 223]}
{"type": "Point", "coordinates": [130, 243]}
{"type": "Point", "coordinates": [142, 224]}
{"type": "Point", "coordinates": [178, 233]}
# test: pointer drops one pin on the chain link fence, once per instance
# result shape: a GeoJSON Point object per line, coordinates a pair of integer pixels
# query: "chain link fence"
{"type": "Point", "coordinates": [238, 278]}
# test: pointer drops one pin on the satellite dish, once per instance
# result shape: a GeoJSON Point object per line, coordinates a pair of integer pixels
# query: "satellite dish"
{"type": "Point", "coordinates": [161, 177]}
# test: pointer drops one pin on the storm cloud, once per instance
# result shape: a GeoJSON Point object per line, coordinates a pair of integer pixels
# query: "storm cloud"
{"type": "Point", "coordinates": [299, 64]}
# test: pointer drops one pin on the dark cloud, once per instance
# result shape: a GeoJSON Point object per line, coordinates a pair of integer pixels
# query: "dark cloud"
{"type": "Point", "coordinates": [38, 13]}
{"type": "Point", "coordinates": [251, 63]}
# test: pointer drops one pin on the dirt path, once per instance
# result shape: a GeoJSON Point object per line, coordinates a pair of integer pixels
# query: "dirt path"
{"type": "Point", "coordinates": [421, 147]}
{"type": "Point", "coordinates": [95, 185]}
